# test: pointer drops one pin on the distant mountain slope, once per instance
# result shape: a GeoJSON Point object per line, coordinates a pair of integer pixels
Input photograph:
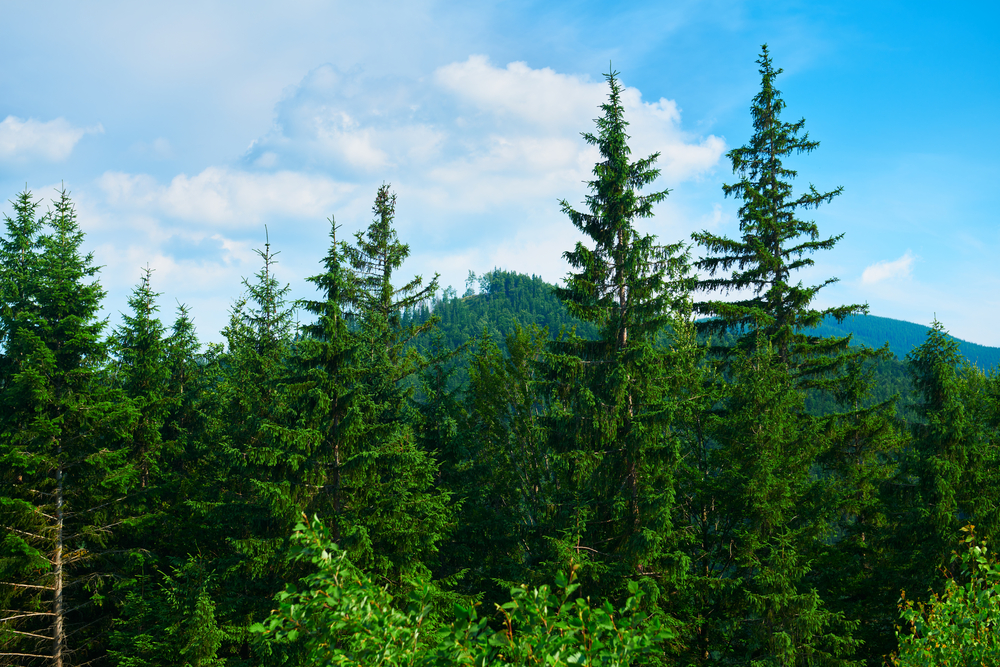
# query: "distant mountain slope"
{"type": "Point", "coordinates": [902, 337]}
{"type": "Point", "coordinates": [507, 298]}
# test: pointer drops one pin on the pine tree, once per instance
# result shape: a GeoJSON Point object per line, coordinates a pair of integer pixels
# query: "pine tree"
{"type": "Point", "coordinates": [611, 410]}
{"type": "Point", "coordinates": [374, 304]}
{"type": "Point", "coordinates": [60, 476]}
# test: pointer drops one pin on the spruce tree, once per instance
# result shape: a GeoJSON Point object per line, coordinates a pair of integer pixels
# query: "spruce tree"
{"type": "Point", "coordinates": [946, 477]}
{"type": "Point", "coordinates": [775, 243]}
{"type": "Point", "coordinates": [610, 409]}
{"type": "Point", "coordinates": [499, 466]}
{"type": "Point", "coordinates": [239, 495]}
{"type": "Point", "coordinates": [387, 510]}
{"type": "Point", "coordinates": [61, 474]}
{"type": "Point", "coordinates": [847, 450]}
{"type": "Point", "coordinates": [139, 346]}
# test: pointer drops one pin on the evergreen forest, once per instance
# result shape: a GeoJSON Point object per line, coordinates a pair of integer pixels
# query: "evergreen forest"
{"type": "Point", "coordinates": [672, 458]}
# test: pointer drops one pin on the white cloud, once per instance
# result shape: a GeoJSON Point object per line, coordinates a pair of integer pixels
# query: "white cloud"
{"type": "Point", "coordinates": [226, 197]}
{"type": "Point", "coordinates": [538, 96]}
{"type": "Point", "coordinates": [523, 102]}
{"type": "Point", "coordinates": [886, 270]}
{"type": "Point", "coordinates": [475, 137]}
{"type": "Point", "coordinates": [479, 155]}
{"type": "Point", "coordinates": [52, 141]}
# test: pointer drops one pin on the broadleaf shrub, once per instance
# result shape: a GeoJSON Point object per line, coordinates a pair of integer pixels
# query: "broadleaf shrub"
{"type": "Point", "coordinates": [338, 616]}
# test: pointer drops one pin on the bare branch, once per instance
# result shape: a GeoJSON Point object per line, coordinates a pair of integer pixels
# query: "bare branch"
{"type": "Point", "coordinates": [26, 614]}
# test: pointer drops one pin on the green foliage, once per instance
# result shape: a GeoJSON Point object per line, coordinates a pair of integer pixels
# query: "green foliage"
{"type": "Point", "coordinates": [957, 628]}
{"type": "Point", "coordinates": [342, 618]}
{"type": "Point", "coordinates": [169, 623]}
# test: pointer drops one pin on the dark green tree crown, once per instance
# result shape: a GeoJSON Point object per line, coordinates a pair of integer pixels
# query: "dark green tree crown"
{"type": "Point", "coordinates": [622, 282]}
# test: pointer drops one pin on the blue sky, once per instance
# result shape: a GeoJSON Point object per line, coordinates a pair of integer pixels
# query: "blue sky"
{"type": "Point", "coordinates": [182, 129]}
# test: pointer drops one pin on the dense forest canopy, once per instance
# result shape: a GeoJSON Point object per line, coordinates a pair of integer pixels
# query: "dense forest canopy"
{"type": "Point", "coordinates": [672, 458]}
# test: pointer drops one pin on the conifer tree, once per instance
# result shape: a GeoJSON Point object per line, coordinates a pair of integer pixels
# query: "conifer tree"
{"type": "Point", "coordinates": [947, 477]}
{"type": "Point", "coordinates": [19, 257]}
{"type": "Point", "coordinates": [238, 512]}
{"type": "Point", "coordinates": [60, 476]}
{"type": "Point", "coordinates": [611, 409]}
{"type": "Point", "coordinates": [847, 450]}
{"type": "Point", "coordinates": [139, 346]}
{"type": "Point", "coordinates": [326, 393]}
{"type": "Point", "coordinates": [775, 243]}
{"type": "Point", "coordinates": [763, 609]}
{"type": "Point", "coordinates": [500, 469]}
{"type": "Point", "coordinates": [383, 499]}
{"type": "Point", "coordinates": [157, 615]}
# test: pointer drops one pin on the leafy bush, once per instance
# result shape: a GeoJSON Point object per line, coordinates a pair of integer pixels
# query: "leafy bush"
{"type": "Point", "coordinates": [338, 616]}
{"type": "Point", "coordinates": [960, 627]}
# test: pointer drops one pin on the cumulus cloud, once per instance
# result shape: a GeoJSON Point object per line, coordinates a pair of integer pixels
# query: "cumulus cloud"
{"type": "Point", "coordinates": [479, 154]}
{"type": "Point", "coordinates": [539, 96]}
{"type": "Point", "coordinates": [888, 270]}
{"type": "Point", "coordinates": [545, 102]}
{"type": "Point", "coordinates": [226, 197]}
{"type": "Point", "coordinates": [475, 136]}
{"type": "Point", "coordinates": [52, 141]}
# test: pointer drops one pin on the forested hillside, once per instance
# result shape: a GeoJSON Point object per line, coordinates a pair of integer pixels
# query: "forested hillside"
{"type": "Point", "coordinates": [507, 300]}
{"type": "Point", "coordinates": [630, 468]}
{"type": "Point", "coordinates": [902, 337]}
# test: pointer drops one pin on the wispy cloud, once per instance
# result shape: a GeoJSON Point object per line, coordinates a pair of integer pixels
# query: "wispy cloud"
{"type": "Point", "coordinates": [52, 141]}
{"type": "Point", "coordinates": [888, 270]}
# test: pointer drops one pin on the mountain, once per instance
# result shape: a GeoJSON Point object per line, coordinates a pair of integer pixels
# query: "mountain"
{"type": "Point", "coordinates": [902, 337]}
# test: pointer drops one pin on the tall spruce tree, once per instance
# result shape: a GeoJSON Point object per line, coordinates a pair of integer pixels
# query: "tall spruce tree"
{"type": "Point", "coordinates": [406, 515]}
{"type": "Point", "coordinates": [611, 407]}
{"type": "Point", "coordinates": [775, 243]}
{"type": "Point", "coordinates": [846, 451]}
{"type": "Point", "coordinates": [61, 473]}
{"type": "Point", "coordinates": [372, 482]}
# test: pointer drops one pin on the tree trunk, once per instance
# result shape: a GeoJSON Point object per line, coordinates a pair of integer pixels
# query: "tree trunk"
{"type": "Point", "coordinates": [58, 629]}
